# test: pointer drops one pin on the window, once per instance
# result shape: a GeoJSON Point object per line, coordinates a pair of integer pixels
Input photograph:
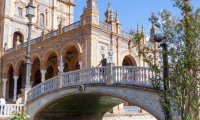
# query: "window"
{"type": "Point", "coordinates": [87, 19]}
{"type": "Point", "coordinates": [19, 12]}
{"type": "Point", "coordinates": [95, 18]}
{"type": "Point", "coordinates": [41, 18]}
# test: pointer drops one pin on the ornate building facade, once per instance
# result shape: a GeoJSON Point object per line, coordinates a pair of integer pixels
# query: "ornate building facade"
{"type": "Point", "coordinates": [54, 36]}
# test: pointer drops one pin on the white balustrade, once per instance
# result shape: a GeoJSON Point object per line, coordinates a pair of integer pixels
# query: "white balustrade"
{"type": "Point", "coordinates": [130, 75]}
{"type": "Point", "coordinates": [9, 109]}
{"type": "Point", "coordinates": [105, 25]}
{"type": "Point", "coordinates": [9, 50]}
{"type": "Point", "coordinates": [51, 34]}
{"type": "Point", "coordinates": [71, 26]}
{"type": "Point", "coordinates": [44, 87]}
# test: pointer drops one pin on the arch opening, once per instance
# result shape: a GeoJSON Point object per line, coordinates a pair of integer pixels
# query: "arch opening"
{"type": "Point", "coordinates": [10, 82]}
{"type": "Point", "coordinates": [90, 106]}
{"type": "Point", "coordinates": [79, 107]}
{"type": "Point", "coordinates": [51, 66]}
{"type": "Point", "coordinates": [18, 37]}
{"type": "Point", "coordinates": [129, 61]}
{"type": "Point", "coordinates": [71, 59]}
{"type": "Point", "coordinates": [35, 73]}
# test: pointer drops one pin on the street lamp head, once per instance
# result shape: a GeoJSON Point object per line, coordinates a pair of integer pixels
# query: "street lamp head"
{"type": "Point", "coordinates": [30, 10]}
{"type": "Point", "coordinates": [159, 37]}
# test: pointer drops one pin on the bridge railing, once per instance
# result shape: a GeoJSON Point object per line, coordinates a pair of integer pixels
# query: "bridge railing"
{"type": "Point", "coordinates": [44, 87]}
{"type": "Point", "coordinates": [9, 109]}
{"type": "Point", "coordinates": [133, 75]}
{"type": "Point", "coordinates": [85, 76]}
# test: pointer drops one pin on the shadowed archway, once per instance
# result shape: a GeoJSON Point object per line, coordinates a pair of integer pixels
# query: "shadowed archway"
{"type": "Point", "coordinates": [147, 100]}
{"type": "Point", "coordinates": [129, 61]}
{"type": "Point", "coordinates": [79, 107]}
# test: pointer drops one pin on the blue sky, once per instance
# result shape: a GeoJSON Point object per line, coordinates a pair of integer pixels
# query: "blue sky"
{"type": "Point", "coordinates": [132, 11]}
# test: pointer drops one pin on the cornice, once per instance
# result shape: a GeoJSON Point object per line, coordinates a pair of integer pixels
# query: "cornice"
{"type": "Point", "coordinates": [67, 2]}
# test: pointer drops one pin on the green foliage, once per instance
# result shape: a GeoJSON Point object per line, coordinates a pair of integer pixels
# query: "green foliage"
{"type": "Point", "coordinates": [183, 37]}
{"type": "Point", "coordinates": [19, 116]}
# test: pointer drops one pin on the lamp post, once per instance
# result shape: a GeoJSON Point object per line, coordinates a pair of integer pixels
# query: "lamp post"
{"type": "Point", "coordinates": [29, 14]}
{"type": "Point", "coordinates": [159, 38]}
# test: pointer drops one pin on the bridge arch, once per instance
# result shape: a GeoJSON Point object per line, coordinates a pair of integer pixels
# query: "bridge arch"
{"type": "Point", "coordinates": [147, 100]}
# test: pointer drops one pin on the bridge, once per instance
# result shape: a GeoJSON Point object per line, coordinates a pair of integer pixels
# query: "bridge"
{"type": "Point", "coordinates": [90, 93]}
{"type": "Point", "coordinates": [92, 85]}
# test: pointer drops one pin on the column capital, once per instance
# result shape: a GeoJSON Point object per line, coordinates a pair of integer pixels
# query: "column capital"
{"type": "Point", "coordinates": [43, 71]}
{"type": "Point", "coordinates": [4, 79]}
{"type": "Point", "coordinates": [15, 77]}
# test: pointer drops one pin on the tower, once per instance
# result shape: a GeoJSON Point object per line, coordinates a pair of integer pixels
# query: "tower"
{"type": "Point", "coordinates": [90, 13]}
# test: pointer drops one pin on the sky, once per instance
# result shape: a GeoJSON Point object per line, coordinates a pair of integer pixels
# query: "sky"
{"type": "Point", "coordinates": [132, 11]}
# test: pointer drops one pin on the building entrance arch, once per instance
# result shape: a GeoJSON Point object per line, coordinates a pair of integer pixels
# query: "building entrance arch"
{"type": "Point", "coordinates": [129, 61]}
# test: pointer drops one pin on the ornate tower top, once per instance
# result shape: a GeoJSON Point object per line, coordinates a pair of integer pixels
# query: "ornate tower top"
{"type": "Point", "coordinates": [116, 17]}
{"type": "Point", "coordinates": [109, 13]}
{"type": "Point", "coordinates": [92, 3]}
{"type": "Point", "coordinates": [90, 13]}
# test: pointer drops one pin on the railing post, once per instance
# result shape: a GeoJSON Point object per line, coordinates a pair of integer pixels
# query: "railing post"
{"type": "Point", "coordinates": [109, 74]}
{"type": "Point", "coordinates": [60, 76]}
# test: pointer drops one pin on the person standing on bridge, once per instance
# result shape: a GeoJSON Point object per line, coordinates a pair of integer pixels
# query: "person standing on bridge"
{"type": "Point", "coordinates": [103, 63]}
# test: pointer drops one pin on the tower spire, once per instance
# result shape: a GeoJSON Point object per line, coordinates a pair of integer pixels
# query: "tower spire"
{"type": "Point", "coordinates": [138, 27]}
{"type": "Point", "coordinates": [143, 29]}
{"type": "Point", "coordinates": [116, 17]}
{"type": "Point", "coordinates": [109, 13]}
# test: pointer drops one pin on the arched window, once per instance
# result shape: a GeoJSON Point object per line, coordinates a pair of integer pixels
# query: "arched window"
{"type": "Point", "coordinates": [19, 12]}
{"type": "Point", "coordinates": [17, 37]}
{"type": "Point", "coordinates": [41, 19]}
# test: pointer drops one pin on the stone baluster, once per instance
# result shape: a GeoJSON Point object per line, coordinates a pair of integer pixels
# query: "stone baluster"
{"type": "Point", "coordinates": [15, 88]}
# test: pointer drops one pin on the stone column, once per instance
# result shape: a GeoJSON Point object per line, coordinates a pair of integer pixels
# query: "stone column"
{"type": "Point", "coordinates": [15, 88]}
{"type": "Point", "coordinates": [4, 88]}
{"type": "Point", "coordinates": [80, 63]}
{"type": "Point", "coordinates": [43, 72]}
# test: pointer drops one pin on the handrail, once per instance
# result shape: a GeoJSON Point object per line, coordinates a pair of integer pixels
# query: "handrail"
{"type": "Point", "coordinates": [133, 75]}
{"type": "Point", "coordinates": [105, 25]}
{"type": "Point", "coordinates": [44, 87]}
{"type": "Point", "coordinates": [51, 34]}
{"type": "Point", "coordinates": [9, 50]}
{"type": "Point", "coordinates": [127, 75]}
{"type": "Point", "coordinates": [71, 26]}
{"type": "Point", "coordinates": [47, 36]}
